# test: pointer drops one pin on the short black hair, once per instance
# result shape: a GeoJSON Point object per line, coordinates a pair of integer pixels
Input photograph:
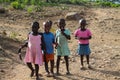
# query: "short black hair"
{"type": "Point", "coordinates": [61, 20]}
{"type": "Point", "coordinates": [82, 21]}
{"type": "Point", "coordinates": [50, 22]}
{"type": "Point", "coordinates": [35, 24]}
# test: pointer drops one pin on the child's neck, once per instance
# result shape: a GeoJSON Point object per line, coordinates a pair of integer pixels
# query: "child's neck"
{"type": "Point", "coordinates": [47, 32]}
{"type": "Point", "coordinates": [35, 33]}
{"type": "Point", "coordinates": [83, 29]}
{"type": "Point", "coordinates": [62, 29]}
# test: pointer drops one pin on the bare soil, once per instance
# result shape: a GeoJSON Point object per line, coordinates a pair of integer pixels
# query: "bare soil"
{"type": "Point", "coordinates": [105, 43]}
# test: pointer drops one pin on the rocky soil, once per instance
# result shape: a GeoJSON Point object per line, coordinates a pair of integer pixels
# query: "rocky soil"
{"type": "Point", "coordinates": [105, 43]}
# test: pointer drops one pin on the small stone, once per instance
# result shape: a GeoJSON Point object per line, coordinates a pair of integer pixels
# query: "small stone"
{"type": "Point", "coordinates": [72, 16]}
{"type": "Point", "coordinates": [2, 10]}
{"type": "Point", "coordinates": [73, 59]}
{"type": "Point", "coordinates": [2, 71]}
{"type": "Point", "coordinates": [63, 61]}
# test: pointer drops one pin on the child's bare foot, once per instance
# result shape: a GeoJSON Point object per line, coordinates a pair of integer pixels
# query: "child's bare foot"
{"type": "Point", "coordinates": [82, 68]}
{"type": "Point", "coordinates": [40, 74]}
{"type": "Point", "coordinates": [47, 74]}
{"type": "Point", "coordinates": [58, 74]}
{"type": "Point", "coordinates": [90, 67]}
{"type": "Point", "coordinates": [37, 78]}
{"type": "Point", "coordinates": [67, 73]}
{"type": "Point", "coordinates": [52, 74]}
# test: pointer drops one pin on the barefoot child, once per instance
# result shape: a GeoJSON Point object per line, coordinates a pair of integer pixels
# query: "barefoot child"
{"type": "Point", "coordinates": [62, 37]}
{"type": "Point", "coordinates": [33, 51]}
{"type": "Point", "coordinates": [49, 40]}
{"type": "Point", "coordinates": [83, 35]}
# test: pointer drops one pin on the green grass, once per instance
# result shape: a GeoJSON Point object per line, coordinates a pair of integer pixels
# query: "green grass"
{"type": "Point", "coordinates": [22, 4]}
{"type": "Point", "coordinates": [107, 4]}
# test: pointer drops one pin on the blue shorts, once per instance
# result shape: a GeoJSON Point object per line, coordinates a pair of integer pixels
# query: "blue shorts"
{"type": "Point", "coordinates": [84, 49]}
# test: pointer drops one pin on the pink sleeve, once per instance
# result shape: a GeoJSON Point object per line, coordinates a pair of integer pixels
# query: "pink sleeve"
{"type": "Point", "coordinates": [89, 33]}
{"type": "Point", "coordinates": [76, 32]}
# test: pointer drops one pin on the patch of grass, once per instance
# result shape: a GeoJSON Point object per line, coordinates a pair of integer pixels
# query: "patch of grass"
{"type": "Point", "coordinates": [30, 9]}
{"type": "Point", "coordinates": [64, 7]}
{"type": "Point", "coordinates": [107, 4]}
{"type": "Point", "coordinates": [13, 35]}
{"type": "Point", "coordinates": [38, 8]}
{"type": "Point", "coordinates": [20, 4]}
{"type": "Point", "coordinates": [17, 5]}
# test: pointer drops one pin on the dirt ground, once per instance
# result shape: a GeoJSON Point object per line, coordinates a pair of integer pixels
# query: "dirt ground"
{"type": "Point", "coordinates": [105, 43]}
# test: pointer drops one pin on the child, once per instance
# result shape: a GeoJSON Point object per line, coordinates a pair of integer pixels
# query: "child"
{"type": "Point", "coordinates": [34, 51]}
{"type": "Point", "coordinates": [62, 37]}
{"type": "Point", "coordinates": [49, 40]}
{"type": "Point", "coordinates": [83, 35]}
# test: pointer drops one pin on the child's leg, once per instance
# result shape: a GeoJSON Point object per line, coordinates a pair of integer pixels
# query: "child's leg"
{"type": "Point", "coordinates": [67, 64]}
{"type": "Point", "coordinates": [46, 67]}
{"type": "Point", "coordinates": [87, 57]}
{"type": "Point", "coordinates": [36, 70]}
{"type": "Point", "coordinates": [31, 68]}
{"type": "Point", "coordinates": [58, 63]}
{"type": "Point", "coordinates": [52, 66]}
{"type": "Point", "coordinates": [82, 56]}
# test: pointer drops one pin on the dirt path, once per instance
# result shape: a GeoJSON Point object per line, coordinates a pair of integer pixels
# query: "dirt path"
{"type": "Point", "coordinates": [105, 46]}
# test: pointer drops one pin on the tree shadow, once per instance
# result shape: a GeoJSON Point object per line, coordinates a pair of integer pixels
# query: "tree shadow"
{"type": "Point", "coordinates": [57, 78]}
{"type": "Point", "coordinates": [8, 55]}
{"type": "Point", "coordinates": [114, 73]}
{"type": "Point", "coordinates": [72, 77]}
{"type": "Point", "coordinates": [9, 48]}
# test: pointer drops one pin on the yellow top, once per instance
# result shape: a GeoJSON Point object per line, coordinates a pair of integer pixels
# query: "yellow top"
{"type": "Point", "coordinates": [52, 30]}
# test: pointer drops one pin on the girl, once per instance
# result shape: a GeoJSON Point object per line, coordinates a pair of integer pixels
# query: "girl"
{"type": "Point", "coordinates": [34, 50]}
{"type": "Point", "coordinates": [83, 35]}
{"type": "Point", "coordinates": [49, 40]}
{"type": "Point", "coordinates": [62, 37]}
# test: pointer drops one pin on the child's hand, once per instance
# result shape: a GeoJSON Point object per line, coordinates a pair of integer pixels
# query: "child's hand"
{"type": "Point", "coordinates": [62, 31]}
{"type": "Point", "coordinates": [20, 57]}
{"type": "Point", "coordinates": [81, 38]}
{"type": "Point", "coordinates": [56, 45]}
{"type": "Point", "coordinates": [19, 51]}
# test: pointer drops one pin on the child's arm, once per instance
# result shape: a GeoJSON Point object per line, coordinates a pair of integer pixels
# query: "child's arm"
{"type": "Point", "coordinates": [43, 46]}
{"type": "Point", "coordinates": [67, 36]}
{"type": "Point", "coordinates": [88, 38]}
{"type": "Point", "coordinates": [85, 38]}
{"type": "Point", "coordinates": [56, 44]}
{"type": "Point", "coordinates": [76, 37]}
{"type": "Point", "coordinates": [19, 50]}
{"type": "Point", "coordinates": [22, 46]}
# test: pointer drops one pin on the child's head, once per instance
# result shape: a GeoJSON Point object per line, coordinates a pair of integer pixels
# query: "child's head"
{"type": "Point", "coordinates": [82, 23]}
{"type": "Point", "coordinates": [61, 23]}
{"type": "Point", "coordinates": [46, 26]}
{"type": "Point", "coordinates": [35, 27]}
{"type": "Point", "coordinates": [50, 22]}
